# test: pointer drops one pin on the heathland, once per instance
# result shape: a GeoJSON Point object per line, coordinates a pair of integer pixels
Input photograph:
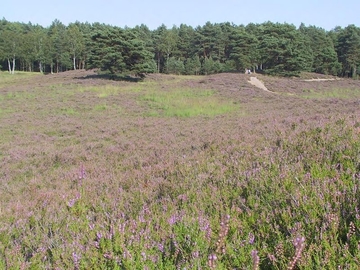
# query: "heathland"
{"type": "Point", "coordinates": [179, 172]}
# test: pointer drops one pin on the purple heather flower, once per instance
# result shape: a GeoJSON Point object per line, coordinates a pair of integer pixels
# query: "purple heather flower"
{"type": "Point", "coordinates": [161, 247]}
{"type": "Point", "coordinates": [212, 257]}
{"type": "Point", "coordinates": [272, 258]}
{"type": "Point", "coordinates": [71, 202]}
{"type": "Point", "coordinates": [107, 256]}
{"type": "Point", "coordinates": [172, 220]}
{"type": "Point", "coordinates": [255, 257]}
{"type": "Point", "coordinates": [76, 259]}
{"type": "Point", "coordinates": [204, 225]}
{"type": "Point", "coordinates": [196, 254]}
{"type": "Point", "coordinates": [141, 218]}
{"type": "Point", "coordinates": [299, 241]}
{"type": "Point", "coordinates": [251, 238]}
{"type": "Point", "coordinates": [82, 173]}
{"type": "Point", "coordinates": [122, 227]}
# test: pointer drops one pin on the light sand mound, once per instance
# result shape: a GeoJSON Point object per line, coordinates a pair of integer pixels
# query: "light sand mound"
{"type": "Point", "coordinates": [319, 80]}
{"type": "Point", "coordinates": [259, 84]}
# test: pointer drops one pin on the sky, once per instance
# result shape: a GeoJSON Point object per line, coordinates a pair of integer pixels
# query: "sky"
{"type": "Point", "coordinates": [322, 13]}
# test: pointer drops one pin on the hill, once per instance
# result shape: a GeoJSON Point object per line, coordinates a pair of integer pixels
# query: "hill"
{"type": "Point", "coordinates": [178, 172]}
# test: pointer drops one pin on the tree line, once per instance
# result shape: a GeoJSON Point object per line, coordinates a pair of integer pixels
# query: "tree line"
{"type": "Point", "coordinates": [272, 48]}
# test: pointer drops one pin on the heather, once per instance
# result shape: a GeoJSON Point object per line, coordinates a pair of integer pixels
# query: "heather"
{"type": "Point", "coordinates": [99, 174]}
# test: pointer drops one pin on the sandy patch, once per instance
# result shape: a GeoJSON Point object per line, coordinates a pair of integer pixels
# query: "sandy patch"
{"type": "Point", "coordinates": [319, 80]}
{"type": "Point", "coordinates": [259, 84]}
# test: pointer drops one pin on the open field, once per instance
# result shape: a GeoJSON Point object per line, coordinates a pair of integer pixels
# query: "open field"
{"type": "Point", "coordinates": [179, 172]}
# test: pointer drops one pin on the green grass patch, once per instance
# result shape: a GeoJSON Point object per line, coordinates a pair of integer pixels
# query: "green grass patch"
{"type": "Point", "coordinates": [100, 107]}
{"type": "Point", "coordinates": [68, 111]}
{"type": "Point", "coordinates": [10, 79]}
{"type": "Point", "coordinates": [104, 91]}
{"type": "Point", "coordinates": [101, 91]}
{"type": "Point", "coordinates": [186, 103]}
{"type": "Point", "coordinates": [3, 111]}
{"type": "Point", "coordinates": [340, 93]}
{"type": "Point", "coordinates": [17, 95]}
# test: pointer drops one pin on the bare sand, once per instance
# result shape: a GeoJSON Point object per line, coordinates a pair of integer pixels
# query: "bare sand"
{"type": "Point", "coordinates": [259, 84]}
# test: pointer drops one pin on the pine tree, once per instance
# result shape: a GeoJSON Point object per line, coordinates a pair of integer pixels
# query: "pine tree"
{"type": "Point", "coordinates": [106, 49]}
{"type": "Point", "coordinates": [284, 50]}
{"type": "Point", "coordinates": [175, 66]}
{"type": "Point", "coordinates": [349, 50]}
{"type": "Point", "coordinates": [116, 50]}
{"type": "Point", "coordinates": [243, 49]}
{"type": "Point", "coordinates": [323, 50]}
{"type": "Point", "coordinates": [193, 65]}
{"type": "Point", "coordinates": [184, 46]}
{"type": "Point", "coordinates": [210, 66]}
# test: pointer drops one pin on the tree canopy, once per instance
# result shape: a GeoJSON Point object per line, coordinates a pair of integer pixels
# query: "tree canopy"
{"type": "Point", "coordinates": [271, 48]}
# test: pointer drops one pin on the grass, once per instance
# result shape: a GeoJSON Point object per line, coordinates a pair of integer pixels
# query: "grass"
{"type": "Point", "coordinates": [89, 180]}
{"type": "Point", "coordinates": [7, 79]}
{"type": "Point", "coordinates": [4, 112]}
{"type": "Point", "coordinates": [112, 90]}
{"type": "Point", "coordinates": [186, 103]}
{"type": "Point", "coordinates": [100, 107]}
{"type": "Point", "coordinates": [337, 93]}
{"type": "Point", "coordinates": [16, 95]}
{"type": "Point", "coordinates": [68, 111]}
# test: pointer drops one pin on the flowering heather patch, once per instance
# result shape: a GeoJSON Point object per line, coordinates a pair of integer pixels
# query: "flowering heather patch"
{"type": "Point", "coordinates": [90, 181]}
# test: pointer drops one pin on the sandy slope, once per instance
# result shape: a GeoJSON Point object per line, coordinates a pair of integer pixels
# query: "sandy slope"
{"type": "Point", "coordinates": [256, 82]}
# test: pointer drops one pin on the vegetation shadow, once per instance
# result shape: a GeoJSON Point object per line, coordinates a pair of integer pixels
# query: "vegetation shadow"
{"type": "Point", "coordinates": [116, 77]}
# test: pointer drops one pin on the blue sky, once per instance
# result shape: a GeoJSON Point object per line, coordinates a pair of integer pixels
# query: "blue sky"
{"type": "Point", "coordinates": [323, 13]}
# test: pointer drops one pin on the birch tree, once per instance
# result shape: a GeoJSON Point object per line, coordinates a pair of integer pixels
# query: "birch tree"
{"type": "Point", "coordinates": [75, 40]}
{"type": "Point", "coordinates": [11, 36]}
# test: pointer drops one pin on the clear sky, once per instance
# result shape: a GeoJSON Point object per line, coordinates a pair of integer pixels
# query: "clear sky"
{"type": "Point", "coordinates": [323, 13]}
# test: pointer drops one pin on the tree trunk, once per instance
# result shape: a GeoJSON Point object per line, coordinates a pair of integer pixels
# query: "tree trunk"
{"type": "Point", "coordinates": [40, 67]}
{"type": "Point", "coordinates": [354, 72]}
{"type": "Point", "coordinates": [167, 63]}
{"type": "Point", "coordinates": [9, 65]}
{"type": "Point", "coordinates": [158, 62]}
{"type": "Point", "coordinates": [52, 68]}
{"type": "Point", "coordinates": [74, 60]}
{"type": "Point", "coordinates": [13, 67]}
